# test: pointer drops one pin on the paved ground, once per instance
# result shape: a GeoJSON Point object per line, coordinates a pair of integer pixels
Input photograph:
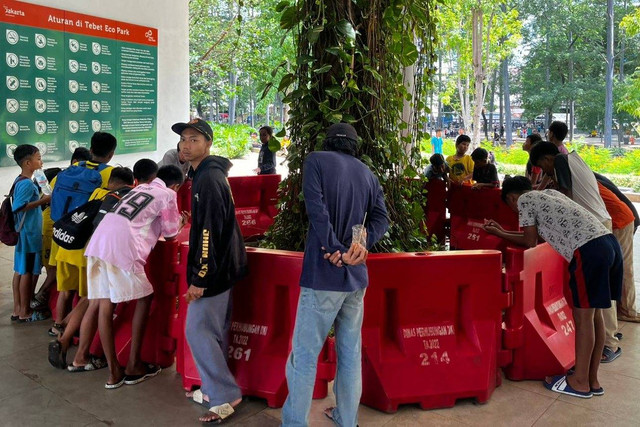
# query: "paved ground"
{"type": "Point", "coordinates": [33, 393]}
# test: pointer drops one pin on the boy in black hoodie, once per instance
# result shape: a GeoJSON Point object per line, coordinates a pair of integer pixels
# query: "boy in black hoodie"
{"type": "Point", "coordinates": [217, 259]}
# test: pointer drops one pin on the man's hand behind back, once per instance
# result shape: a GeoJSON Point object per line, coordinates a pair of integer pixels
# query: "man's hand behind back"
{"type": "Point", "coordinates": [356, 255]}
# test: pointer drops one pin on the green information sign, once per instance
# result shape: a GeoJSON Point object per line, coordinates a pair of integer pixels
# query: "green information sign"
{"type": "Point", "coordinates": [69, 75]}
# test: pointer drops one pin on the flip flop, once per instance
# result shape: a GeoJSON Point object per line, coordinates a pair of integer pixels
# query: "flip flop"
{"type": "Point", "coordinates": [223, 412]}
{"type": "Point", "coordinates": [152, 371]}
{"type": "Point", "coordinates": [559, 384]}
{"type": "Point", "coordinates": [328, 412]}
{"type": "Point", "coordinates": [36, 316]}
{"type": "Point", "coordinates": [94, 364]}
{"type": "Point", "coordinates": [57, 357]}
{"type": "Point", "coordinates": [56, 330]}
{"type": "Point", "coordinates": [608, 355]}
{"type": "Point", "coordinates": [198, 397]}
{"type": "Point", "coordinates": [14, 318]}
{"type": "Point", "coordinates": [114, 386]}
{"type": "Point", "coordinates": [597, 391]}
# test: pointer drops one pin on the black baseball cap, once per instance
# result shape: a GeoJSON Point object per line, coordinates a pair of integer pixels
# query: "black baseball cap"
{"type": "Point", "coordinates": [342, 130]}
{"type": "Point", "coordinates": [197, 124]}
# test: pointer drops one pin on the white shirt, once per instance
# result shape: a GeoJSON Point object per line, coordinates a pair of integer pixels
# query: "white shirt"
{"type": "Point", "coordinates": [563, 223]}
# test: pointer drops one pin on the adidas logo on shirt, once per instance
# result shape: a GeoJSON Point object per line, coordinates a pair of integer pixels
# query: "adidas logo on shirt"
{"type": "Point", "coordinates": [63, 235]}
{"type": "Point", "coordinates": [78, 217]}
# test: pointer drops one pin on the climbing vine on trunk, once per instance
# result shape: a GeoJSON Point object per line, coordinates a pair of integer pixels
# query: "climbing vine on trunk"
{"type": "Point", "coordinates": [368, 63]}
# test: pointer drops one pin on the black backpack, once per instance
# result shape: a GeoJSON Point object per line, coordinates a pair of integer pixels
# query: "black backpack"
{"type": "Point", "coordinates": [74, 229]}
{"type": "Point", "coordinates": [8, 233]}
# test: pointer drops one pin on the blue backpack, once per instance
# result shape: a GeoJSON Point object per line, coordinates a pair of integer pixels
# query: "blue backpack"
{"type": "Point", "coordinates": [73, 188]}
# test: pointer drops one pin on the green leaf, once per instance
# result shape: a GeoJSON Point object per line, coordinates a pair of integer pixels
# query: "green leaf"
{"type": "Point", "coordinates": [323, 69]}
{"type": "Point", "coordinates": [314, 34]}
{"type": "Point", "coordinates": [282, 5]}
{"type": "Point", "coordinates": [348, 118]}
{"type": "Point", "coordinates": [334, 91]}
{"type": "Point", "coordinates": [282, 133]}
{"type": "Point", "coordinates": [289, 18]}
{"type": "Point", "coordinates": [304, 59]}
{"type": "Point", "coordinates": [409, 54]}
{"type": "Point", "coordinates": [334, 50]}
{"type": "Point", "coordinates": [376, 75]}
{"type": "Point", "coordinates": [334, 117]}
{"type": "Point", "coordinates": [286, 81]}
{"type": "Point", "coordinates": [274, 145]}
{"type": "Point", "coordinates": [266, 90]}
{"type": "Point", "coordinates": [353, 85]}
{"type": "Point", "coordinates": [346, 29]}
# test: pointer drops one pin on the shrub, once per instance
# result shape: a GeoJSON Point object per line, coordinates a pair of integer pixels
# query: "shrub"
{"type": "Point", "coordinates": [231, 141]}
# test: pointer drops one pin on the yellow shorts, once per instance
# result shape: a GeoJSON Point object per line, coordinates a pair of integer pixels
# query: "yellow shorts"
{"type": "Point", "coordinates": [71, 278]}
{"type": "Point", "coordinates": [47, 239]}
{"type": "Point", "coordinates": [53, 251]}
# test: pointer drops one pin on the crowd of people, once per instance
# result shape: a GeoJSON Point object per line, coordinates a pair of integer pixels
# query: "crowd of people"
{"type": "Point", "coordinates": [477, 169]}
{"type": "Point", "coordinates": [92, 226]}
{"type": "Point", "coordinates": [582, 215]}
{"type": "Point", "coordinates": [588, 221]}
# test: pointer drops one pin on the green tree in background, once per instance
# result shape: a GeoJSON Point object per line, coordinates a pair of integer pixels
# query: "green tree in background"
{"type": "Point", "coordinates": [233, 47]}
{"type": "Point", "coordinates": [476, 36]}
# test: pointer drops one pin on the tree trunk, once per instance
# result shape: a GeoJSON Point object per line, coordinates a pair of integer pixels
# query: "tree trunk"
{"type": "Point", "coordinates": [608, 107]}
{"type": "Point", "coordinates": [547, 77]}
{"type": "Point", "coordinates": [622, 47]}
{"type": "Point", "coordinates": [571, 121]}
{"type": "Point", "coordinates": [267, 120]}
{"type": "Point", "coordinates": [478, 73]}
{"type": "Point", "coordinates": [507, 103]}
{"type": "Point", "coordinates": [492, 100]}
{"type": "Point", "coordinates": [407, 108]}
{"type": "Point", "coordinates": [212, 105]}
{"type": "Point", "coordinates": [439, 125]}
{"type": "Point", "coordinates": [501, 100]}
{"type": "Point", "coordinates": [199, 110]}
{"type": "Point", "coordinates": [233, 81]}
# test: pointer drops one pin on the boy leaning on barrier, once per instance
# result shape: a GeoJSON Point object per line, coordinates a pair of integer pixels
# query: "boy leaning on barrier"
{"type": "Point", "coordinates": [576, 180]}
{"type": "Point", "coordinates": [116, 256]}
{"type": "Point", "coordinates": [595, 268]}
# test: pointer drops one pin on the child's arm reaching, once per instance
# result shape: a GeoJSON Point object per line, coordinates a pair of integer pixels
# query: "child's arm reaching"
{"type": "Point", "coordinates": [32, 205]}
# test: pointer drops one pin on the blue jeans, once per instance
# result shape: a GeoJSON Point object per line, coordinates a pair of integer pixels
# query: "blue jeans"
{"type": "Point", "coordinates": [317, 311]}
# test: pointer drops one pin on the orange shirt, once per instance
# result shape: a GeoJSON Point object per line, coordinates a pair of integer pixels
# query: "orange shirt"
{"type": "Point", "coordinates": [621, 215]}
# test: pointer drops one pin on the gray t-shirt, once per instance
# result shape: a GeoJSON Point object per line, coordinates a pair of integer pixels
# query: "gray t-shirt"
{"type": "Point", "coordinates": [563, 223]}
{"type": "Point", "coordinates": [573, 174]}
{"type": "Point", "coordinates": [172, 157]}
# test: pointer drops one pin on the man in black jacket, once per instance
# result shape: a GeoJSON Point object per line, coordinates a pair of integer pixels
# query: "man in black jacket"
{"type": "Point", "coordinates": [217, 259]}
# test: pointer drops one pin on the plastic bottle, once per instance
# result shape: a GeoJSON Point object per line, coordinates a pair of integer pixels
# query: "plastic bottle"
{"type": "Point", "coordinates": [43, 182]}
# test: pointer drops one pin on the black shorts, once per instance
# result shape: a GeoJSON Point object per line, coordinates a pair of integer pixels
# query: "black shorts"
{"type": "Point", "coordinates": [596, 273]}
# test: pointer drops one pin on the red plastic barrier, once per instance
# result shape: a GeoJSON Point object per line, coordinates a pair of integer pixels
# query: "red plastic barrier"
{"type": "Point", "coordinates": [539, 327]}
{"type": "Point", "coordinates": [436, 208]}
{"type": "Point", "coordinates": [158, 346]}
{"type": "Point", "coordinates": [256, 199]}
{"type": "Point", "coordinates": [432, 328]}
{"type": "Point", "coordinates": [184, 196]}
{"type": "Point", "coordinates": [469, 208]}
{"type": "Point", "coordinates": [263, 317]}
